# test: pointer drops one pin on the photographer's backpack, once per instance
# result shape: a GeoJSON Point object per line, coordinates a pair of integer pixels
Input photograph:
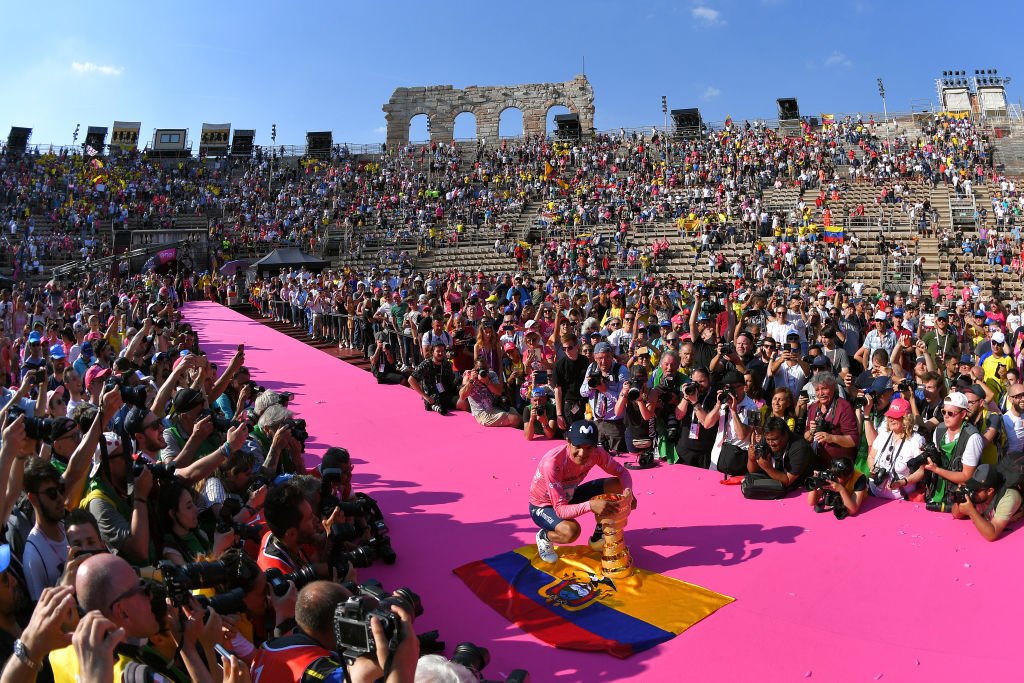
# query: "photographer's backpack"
{"type": "Point", "coordinates": [935, 486]}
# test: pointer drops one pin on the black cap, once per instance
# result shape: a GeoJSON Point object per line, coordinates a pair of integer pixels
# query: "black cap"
{"type": "Point", "coordinates": [985, 477]}
{"type": "Point", "coordinates": [187, 399]}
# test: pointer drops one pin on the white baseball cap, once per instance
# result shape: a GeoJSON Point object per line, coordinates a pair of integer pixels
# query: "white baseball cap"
{"type": "Point", "coordinates": [999, 338]}
{"type": "Point", "coordinates": [957, 400]}
{"type": "Point", "coordinates": [879, 315]}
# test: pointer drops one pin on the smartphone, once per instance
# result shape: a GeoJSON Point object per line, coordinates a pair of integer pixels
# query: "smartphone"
{"type": "Point", "coordinates": [223, 652]}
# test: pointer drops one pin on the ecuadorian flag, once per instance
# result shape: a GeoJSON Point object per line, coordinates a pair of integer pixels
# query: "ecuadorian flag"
{"type": "Point", "coordinates": [570, 605]}
{"type": "Point", "coordinates": [833, 233]}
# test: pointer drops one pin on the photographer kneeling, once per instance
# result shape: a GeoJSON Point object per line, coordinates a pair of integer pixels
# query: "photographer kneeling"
{"type": "Point", "coordinates": [841, 489]}
{"type": "Point", "coordinates": [988, 500]}
{"type": "Point", "coordinates": [780, 456]}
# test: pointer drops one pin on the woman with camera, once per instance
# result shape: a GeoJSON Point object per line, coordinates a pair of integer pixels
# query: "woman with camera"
{"type": "Point", "coordinates": [896, 444]}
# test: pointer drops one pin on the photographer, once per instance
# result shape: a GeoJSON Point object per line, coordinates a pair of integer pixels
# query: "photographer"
{"type": "Point", "coordinates": [182, 540]}
{"type": "Point", "coordinates": [780, 455]}
{"type": "Point", "coordinates": [959, 445]}
{"type": "Point", "coordinates": [294, 531]}
{"type": "Point", "coordinates": [737, 417]}
{"type": "Point", "coordinates": [568, 375]}
{"type": "Point", "coordinates": [831, 422]}
{"type": "Point", "coordinates": [312, 652]}
{"type": "Point", "coordinates": [480, 387]}
{"type": "Point", "coordinates": [273, 442]}
{"type": "Point", "coordinates": [605, 378]}
{"type": "Point", "coordinates": [637, 416]}
{"type": "Point", "coordinates": [698, 421]}
{"type": "Point", "coordinates": [434, 380]}
{"type": "Point", "coordinates": [988, 502]}
{"type": "Point", "coordinates": [123, 517]}
{"type": "Point", "coordinates": [891, 451]}
{"type": "Point", "coordinates": [382, 362]}
{"type": "Point", "coordinates": [788, 368]}
{"type": "Point", "coordinates": [875, 402]}
{"type": "Point", "coordinates": [540, 414]}
{"type": "Point", "coordinates": [848, 486]}
{"type": "Point", "coordinates": [929, 416]}
{"type": "Point", "coordinates": [108, 585]}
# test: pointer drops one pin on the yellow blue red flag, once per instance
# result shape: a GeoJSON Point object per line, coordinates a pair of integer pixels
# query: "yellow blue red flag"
{"type": "Point", "coordinates": [571, 605]}
{"type": "Point", "coordinates": [833, 233]}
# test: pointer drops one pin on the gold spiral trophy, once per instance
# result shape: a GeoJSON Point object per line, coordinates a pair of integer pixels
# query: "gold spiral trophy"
{"type": "Point", "coordinates": [616, 562]}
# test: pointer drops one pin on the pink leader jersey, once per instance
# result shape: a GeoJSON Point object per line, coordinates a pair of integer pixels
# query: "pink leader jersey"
{"type": "Point", "coordinates": [558, 476]}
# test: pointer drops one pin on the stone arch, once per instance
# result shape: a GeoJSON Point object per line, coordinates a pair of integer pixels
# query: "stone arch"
{"type": "Point", "coordinates": [442, 103]}
{"type": "Point", "coordinates": [458, 127]}
{"type": "Point", "coordinates": [421, 132]}
{"type": "Point", "coordinates": [548, 106]}
{"type": "Point", "coordinates": [509, 121]}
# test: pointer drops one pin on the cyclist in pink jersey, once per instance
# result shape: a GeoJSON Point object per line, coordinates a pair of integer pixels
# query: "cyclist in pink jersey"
{"type": "Point", "coordinates": [558, 494]}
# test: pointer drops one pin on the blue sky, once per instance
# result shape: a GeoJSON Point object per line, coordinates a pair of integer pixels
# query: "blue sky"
{"type": "Point", "coordinates": [323, 65]}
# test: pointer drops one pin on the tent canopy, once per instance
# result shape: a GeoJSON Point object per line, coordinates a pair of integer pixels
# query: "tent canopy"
{"type": "Point", "coordinates": [289, 257]}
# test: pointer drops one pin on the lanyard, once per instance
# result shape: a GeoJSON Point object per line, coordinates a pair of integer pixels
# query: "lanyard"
{"type": "Point", "coordinates": [894, 452]}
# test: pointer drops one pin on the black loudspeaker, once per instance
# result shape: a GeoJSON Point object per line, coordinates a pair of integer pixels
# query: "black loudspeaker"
{"type": "Point", "coordinates": [17, 141]}
{"type": "Point", "coordinates": [96, 138]}
{"type": "Point", "coordinates": [567, 127]}
{"type": "Point", "coordinates": [241, 143]}
{"type": "Point", "coordinates": [687, 122]}
{"type": "Point", "coordinates": [318, 144]}
{"type": "Point", "coordinates": [788, 109]}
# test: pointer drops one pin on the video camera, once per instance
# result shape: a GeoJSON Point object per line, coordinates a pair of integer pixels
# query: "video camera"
{"type": "Point", "coordinates": [352, 618]}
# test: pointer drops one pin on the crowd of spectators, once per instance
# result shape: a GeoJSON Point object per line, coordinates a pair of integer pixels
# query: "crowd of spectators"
{"type": "Point", "coordinates": [127, 453]}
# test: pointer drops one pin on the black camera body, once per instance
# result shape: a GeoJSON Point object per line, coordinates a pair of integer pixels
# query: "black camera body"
{"type": "Point", "coordinates": [180, 580]}
{"type": "Point", "coordinates": [879, 476]}
{"type": "Point", "coordinates": [761, 451]}
{"type": "Point", "coordinates": [929, 451]}
{"type": "Point", "coordinates": [132, 396]}
{"type": "Point", "coordinates": [727, 348]}
{"type": "Point", "coordinates": [37, 428]}
{"type": "Point", "coordinates": [162, 471]}
{"type": "Point", "coordinates": [690, 388]}
{"type": "Point", "coordinates": [597, 378]}
{"type": "Point", "coordinates": [352, 618]}
{"type": "Point", "coordinates": [298, 428]}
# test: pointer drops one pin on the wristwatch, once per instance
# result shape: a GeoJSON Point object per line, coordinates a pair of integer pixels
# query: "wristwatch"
{"type": "Point", "coordinates": [21, 652]}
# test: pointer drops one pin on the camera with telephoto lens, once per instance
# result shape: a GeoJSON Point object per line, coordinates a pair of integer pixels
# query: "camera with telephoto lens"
{"type": "Point", "coordinates": [229, 602]}
{"type": "Point", "coordinates": [298, 428]}
{"type": "Point", "coordinates": [219, 422]}
{"type": "Point", "coordinates": [280, 582]}
{"type": "Point", "coordinates": [181, 579]}
{"type": "Point", "coordinates": [132, 396]}
{"type": "Point", "coordinates": [37, 428]}
{"type": "Point", "coordinates": [690, 388]}
{"type": "Point", "coordinates": [597, 378]}
{"type": "Point", "coordinates": [820, 479]}
{"type": "Point", "coordinates": [476, 658]}
{"type": "Point", "coordinates": [226, 522]}
{"type": "Point", "coordinates": [352, 618]}
{"type": "Point", "coordinates": [161, 471]}
{"type": "Point", "coordinates": [929, 452]}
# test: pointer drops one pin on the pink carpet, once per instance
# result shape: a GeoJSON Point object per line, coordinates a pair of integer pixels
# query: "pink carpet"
{"type": "Point", "coordinates": [896, 593]}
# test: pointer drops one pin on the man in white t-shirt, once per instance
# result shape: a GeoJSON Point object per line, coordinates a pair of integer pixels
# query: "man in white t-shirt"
{"type": "Point", "coordinates": [46, 549]}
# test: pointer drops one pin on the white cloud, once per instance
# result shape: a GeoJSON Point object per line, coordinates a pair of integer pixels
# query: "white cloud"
{"type": "Point", "coordinates": [837, 58]}
{"type": "Point", "coordinates": [707, 15]}
{"type": "Point", "coordinates": [711, 92]}
{"type": "Point", "coordinates": [380, 129]}
{"type": "Point", "coordinates": [91, 68]}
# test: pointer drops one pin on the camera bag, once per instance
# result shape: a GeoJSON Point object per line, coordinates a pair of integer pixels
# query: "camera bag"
{"type": "Point", "coordinates": [732, 460]}
{"type": "Point", "coordinates": [758, 486]}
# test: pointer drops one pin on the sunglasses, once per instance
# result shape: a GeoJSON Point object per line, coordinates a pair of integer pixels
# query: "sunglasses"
{"type": "Point", "coordinates": [55, 493]}
{"type": "Point", "coordinates": [950, 413]}
{"type": "Point", "coordinates": [140, 588]}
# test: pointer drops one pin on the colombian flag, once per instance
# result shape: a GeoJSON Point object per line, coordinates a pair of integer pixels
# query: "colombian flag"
{"type": "Point", "coordinates": [833, 233]}
{"type": "Point", "coordinates": [570, 605]}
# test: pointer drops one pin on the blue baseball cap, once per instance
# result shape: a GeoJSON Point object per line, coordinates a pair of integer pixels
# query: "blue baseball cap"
{"type": "Point", "coordinates": [897, 312]}
{"type": "Point", "coordinates": [582, 433]}
{"type": "Point", "coordinates": [880, 385]}
{"type": "Point", "coordinates": [57, 351]}
{"type": "Point", "coordinates": [601, 347]}
{"type": "Point", "coordinates": [5, 557]}
{"type": "Point", "coordinates": [34, 337]}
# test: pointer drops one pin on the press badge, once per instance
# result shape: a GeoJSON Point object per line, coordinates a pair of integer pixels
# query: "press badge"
{"type": "Point", "coordinates": [440, 388]}
{"type": "Point", "coordinates": [695, 430]}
